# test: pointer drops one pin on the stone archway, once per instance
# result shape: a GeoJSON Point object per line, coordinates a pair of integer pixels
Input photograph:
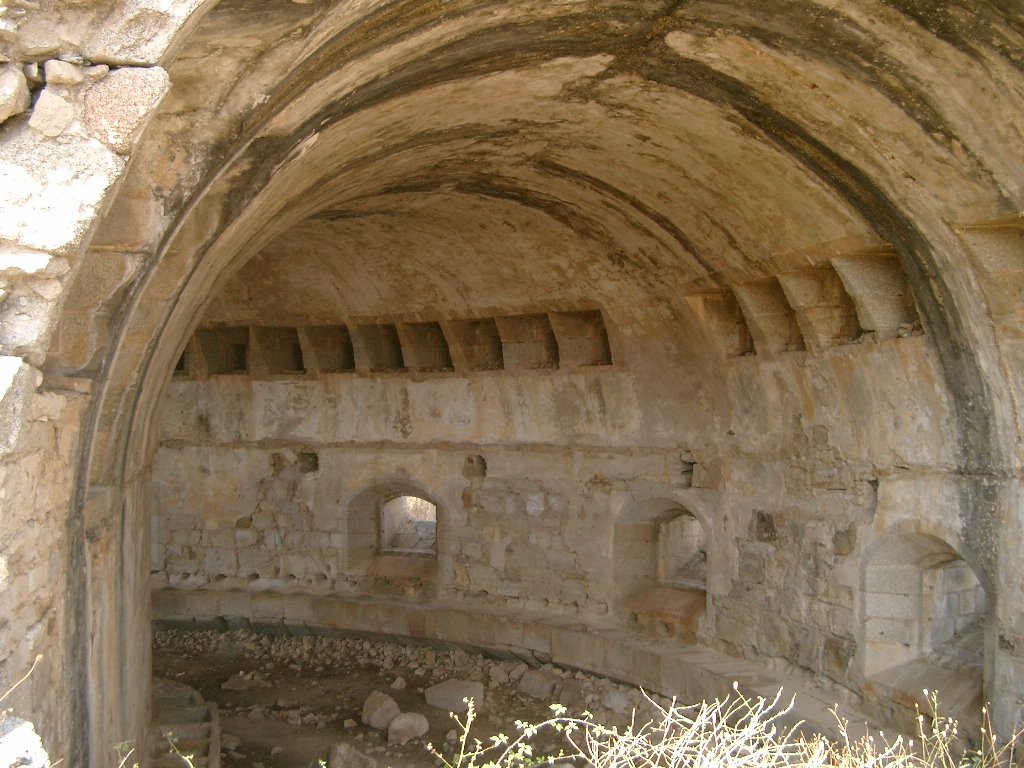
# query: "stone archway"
{"type": "Point", "coordinates": [630, 169]}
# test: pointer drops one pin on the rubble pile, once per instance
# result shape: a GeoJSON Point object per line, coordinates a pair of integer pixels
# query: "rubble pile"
{"type": "Point", "coordinates": [410, 691]}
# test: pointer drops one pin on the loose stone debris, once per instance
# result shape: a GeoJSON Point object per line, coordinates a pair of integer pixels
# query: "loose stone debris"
{"type": "Point", "coordinates": [293, 701]}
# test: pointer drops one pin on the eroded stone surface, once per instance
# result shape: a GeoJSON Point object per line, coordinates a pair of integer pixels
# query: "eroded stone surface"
{"type": "Point", "coordinates": [52, 114]}
{"type": "Point", "coordinates": [406, 727]}
{"type": "Point", "coordinates": [117, 107]}
{"type": "Point", "coordinates": [797, 225]}
{"type": "Point", "coordinates": [14, 95]}
{"type": "Point", "coordinates": [52, 190]}
{"type": "Point", "coordinates": [379, 711]}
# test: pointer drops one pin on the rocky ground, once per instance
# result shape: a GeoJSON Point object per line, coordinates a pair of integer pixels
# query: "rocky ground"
{"type": "Point", "coordinates": [285, 701]}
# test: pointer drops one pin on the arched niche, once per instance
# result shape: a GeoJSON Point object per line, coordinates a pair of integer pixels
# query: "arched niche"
{"type": "Point", "coordinates": [924, 611]}
{"type": "Point", "coordinates": [660, 560]}
{"type": "Point", "coordinates": [393, 539]}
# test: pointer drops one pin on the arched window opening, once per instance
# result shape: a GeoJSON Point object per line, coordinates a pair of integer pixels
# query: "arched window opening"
{"type": "Point", "coordinates": [661, 569]}
{"type": "Point", "coordinates": [408, 525]}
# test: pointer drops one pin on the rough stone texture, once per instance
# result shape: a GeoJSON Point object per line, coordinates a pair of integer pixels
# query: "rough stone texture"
{"type": "Point", "coordinates": [139, 32]}
{"type": "Point", "coordinates": [379, 710]}
{"type": "Point", "coordinates": [800, 225]}
{"type": "Point", "coordinates": [346, 756]}
{"type": "Point", "coordinates": [52, 190]}
{"type": "Point", "coordinates": [451, 695]}
{"type": "Point", "coordinates": [406, 727]}
{"type": "Point", "coordinates": [17, 383]}
{"type": "Point", "coordinates": [539, 683]}
{"type": "Point", "coordinates": [52, 114]}
{"type": "Point", "coordinates": [116, 108]}
{"type": "Point", "coordinates": [14, 94]}
{"type": "Point", "coordinates": [57, 72]}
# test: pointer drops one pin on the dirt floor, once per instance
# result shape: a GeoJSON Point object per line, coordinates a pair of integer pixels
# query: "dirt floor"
{"type": "Point", "coordinates": [284, 701]}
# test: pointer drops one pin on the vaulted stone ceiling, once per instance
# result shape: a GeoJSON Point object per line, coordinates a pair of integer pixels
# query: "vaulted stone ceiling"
{"type": "Point", "coordinates": [837, 177]}
{"type": "Point", "coordinates": [385, 156]}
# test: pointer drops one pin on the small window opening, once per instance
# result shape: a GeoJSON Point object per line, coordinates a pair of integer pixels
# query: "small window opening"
{"type": "Point", "coordinates": [238, 358]}
{"type": "Point", "coordinates": [181, 368]}
{"type": "Point", "coordinates": [280, 349]}
{"type": "Point", "coordinates": [682, 552]}
{"type": "Point", "coordinates": [479, 344]}
{"type": "Point", "coordinates": [332, 348]}
{"type": "Point", "coordinates": [725, 322]}
{"type": "Point", "coordinates": [308, 462]}
{"type": "Point", "coordinates": [744, 341]}
{"type": "Point", "coordinates": [582, 338]}
{"type": "Point", "coordinates": [408, 526]}
{"type": "Point", "coordinates": [294, 354]}
{"type": "Point", "coordinates": [377, 348]}
{"type": "Point", "coordinates": [425, 348]}
{"type": "Point", "coordinates": [528, 341]}
{"type": "Point", "coordinates": [224, 350]}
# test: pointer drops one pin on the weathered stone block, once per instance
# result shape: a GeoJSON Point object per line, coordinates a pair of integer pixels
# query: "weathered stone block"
{"type": "Point", "coordinates": [50, 191]}
{"type": "Point", "coordinates": [17, 383]}
{"type": "Point", "coordinates": [890, 631]}
{"type": "Point", "coordinates": [59, 72]}
{"type": "Point", "coordinates": [267, 606]}
{"type": "Point", "coordinates": [451, 695]}
{"type": "Point", "coordinates": [892, 606]}
{"type": "Point", "coordinates": [52, 114]}
{"type": "Point", "coordinates": [220, 562]}
{"type": "Point", "coordinates": [839, 653]}
{"type": "Point", "coordinates": [539, 683]}
{"type": "Point", "coordinates": [138, 32]}
{"type": "Point", "coordinates": [406, 727]}
{"type": "Point", "coordinates": [14, 93]}
{"type": "Point", "coordinates": [380, 710]}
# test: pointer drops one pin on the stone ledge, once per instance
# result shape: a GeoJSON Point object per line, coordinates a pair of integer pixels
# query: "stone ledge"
{"type": "Point", "coordinates": [690, 673]}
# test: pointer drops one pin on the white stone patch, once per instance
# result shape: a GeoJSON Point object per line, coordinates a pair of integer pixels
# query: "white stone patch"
{"type": "Point", "coordinates": [20, 744]}
{"type": "Point", "coordinates": [140, 31]}
{"type": "Point", "coordinates": [23, 260]}
{"type": "Point", "coordinates": [50, 191]}
{"type": "Point", "coordinates": [17, 381]}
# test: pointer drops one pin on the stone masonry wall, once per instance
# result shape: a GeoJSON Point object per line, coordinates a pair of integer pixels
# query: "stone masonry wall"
{"type": "Point", "coordinates": [270, 485]}
{"type": "Point", "coordinates": [272, 526]}
{"type": "Point", "coordinates": [78, 83]}
{"type": "Point", "coordinates": [543, 545]}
